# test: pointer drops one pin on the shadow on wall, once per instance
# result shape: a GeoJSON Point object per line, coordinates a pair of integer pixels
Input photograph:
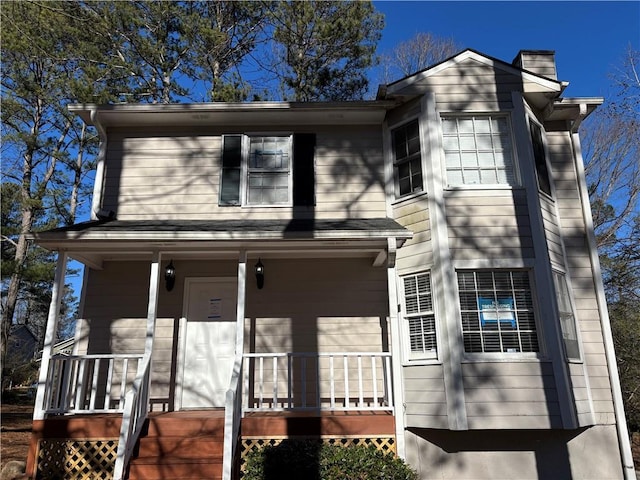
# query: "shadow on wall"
{"type": "Point", "coordinates": [551, 461]}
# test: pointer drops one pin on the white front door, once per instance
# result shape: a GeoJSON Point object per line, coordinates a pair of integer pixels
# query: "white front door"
{"type": "Point", "coordinates": [209, 341]}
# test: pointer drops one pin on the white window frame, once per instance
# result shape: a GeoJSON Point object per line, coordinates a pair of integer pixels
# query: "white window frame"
{"type": "Point", "coordinates": [516, 180]}
{"type": "Point", "coordinates": [573, 320]}
{"type": "Point", "coordinates": [245, 169]}
{"type": "Point", "coordinates": [396, 174]}
{"type": "Point", "coordinates": [503, 355]}
{"type": "Point", "coordinates": [430, 355]}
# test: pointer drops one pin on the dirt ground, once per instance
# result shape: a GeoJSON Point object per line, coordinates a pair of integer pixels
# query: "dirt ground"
{"type": "Point", "coordinates": [15, 434]}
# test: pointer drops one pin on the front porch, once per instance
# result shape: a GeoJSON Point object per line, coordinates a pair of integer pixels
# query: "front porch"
{"type": "Point", "coordinates": [343, 398]}
{"type": "Point", "coordinates": [313, 336]}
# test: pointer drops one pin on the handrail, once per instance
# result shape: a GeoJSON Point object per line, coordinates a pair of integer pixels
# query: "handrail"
{"type": "Point", "coordinates": [87, 383]}
{"type": "Point", "coordinates": [232, 418]}
{"type": "Point", "coordinates": [350, 381]}
{"type": "Point", "coordinates": [136, 407]}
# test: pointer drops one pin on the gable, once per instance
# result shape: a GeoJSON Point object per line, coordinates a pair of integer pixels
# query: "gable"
{"type": "Point", "coordinates": [476, 77]}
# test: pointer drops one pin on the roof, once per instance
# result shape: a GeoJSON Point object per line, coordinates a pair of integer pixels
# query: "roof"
{"type": "Point", "coordinates": [93, 241]}
{"type": "Point", "coordinates": [227, 229]}
{"type": "Point", "coordinates": [229, 114]}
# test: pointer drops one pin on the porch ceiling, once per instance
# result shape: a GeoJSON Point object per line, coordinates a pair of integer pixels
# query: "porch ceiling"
{"type": "Point", "coordinates": [94, 242]}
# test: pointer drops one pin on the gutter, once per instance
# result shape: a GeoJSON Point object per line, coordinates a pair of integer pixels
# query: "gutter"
{"type": "Point", "coordinates": [98, 185]}
{"type": "Point", "coordinates": [609, 350]}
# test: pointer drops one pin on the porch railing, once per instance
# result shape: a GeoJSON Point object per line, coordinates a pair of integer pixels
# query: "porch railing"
{"type": "Point", "coordinates": [89, 383]}
{"type": "Point", "coordinates": [136, 408]}
{"type": "Point", "coordinates": [232, 418]}
{"type": "Point", "coordinates": [318, 381]}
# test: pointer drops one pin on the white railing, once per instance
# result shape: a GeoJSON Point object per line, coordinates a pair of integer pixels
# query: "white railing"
{"type": "Point", "coordinates": [318, 381]}
{"type": "Point", "coordinates": [136, 408]}
{"type": "Point", "coordinates": [89, 383]}
{"type": "Point", "coordinates": [232, 418]}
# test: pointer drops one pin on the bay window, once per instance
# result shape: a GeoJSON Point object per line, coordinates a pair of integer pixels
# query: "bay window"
{"type": "Point", "coordinates": [478, 150]}
{"type": "Point", "coordinates": [497, 311]}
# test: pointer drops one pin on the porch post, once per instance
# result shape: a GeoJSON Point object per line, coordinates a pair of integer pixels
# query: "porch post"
{"type": "Point", "coordinates": [152, 307]}
{"type": "Point", "coordinates": [50, 334]}
{"type": "Point", "coordinates": [242, 289]}
{"type": "Point", "coordinates": [396, 349]}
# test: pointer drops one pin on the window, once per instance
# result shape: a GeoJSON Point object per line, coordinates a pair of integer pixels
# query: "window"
{"type": "Point", "coordinates": [260, 170]}
{"type": "Point", "coordinates": [419, 315]}
{"type": "Point", "coordinates": [567, 318]}
{"type": "Point", "coordinates": [497, 311]}
{"type": "Point", "coordinates": [542, 172]}
{"type": "Point", "coordinates": [478, 150]}
{"type": "Point", "coordinates": [407, 163]}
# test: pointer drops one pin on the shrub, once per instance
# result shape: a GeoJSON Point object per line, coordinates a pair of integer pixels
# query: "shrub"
{"type": "Point", "coordinates": [313, 460]}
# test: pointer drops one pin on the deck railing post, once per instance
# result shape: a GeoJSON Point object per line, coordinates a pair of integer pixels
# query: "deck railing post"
{"type": "Point", "coordinates": [50, 335]}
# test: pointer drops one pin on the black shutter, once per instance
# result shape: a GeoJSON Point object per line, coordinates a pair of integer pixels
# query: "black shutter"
{"type": "Point", "coordinates": [231, 168]}
{"type": "Point", "coordinates": [304, 145]}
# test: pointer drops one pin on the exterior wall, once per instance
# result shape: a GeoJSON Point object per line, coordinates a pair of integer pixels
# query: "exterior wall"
{"type": "Point", "coordinates": [469, 86]}
{"type": "Point", "coordinates": [175, 174]}
{"type": "Point", "coordinates": [590, 454]}
{"type": "Point", "coordinates": [488, 224]}
{"type": "Point", "coordinates": [490, 227]}
{"type": "Point", "coordinates": [417, 252]}
{"type": "Point", "coordinates": [580, 275]}
{"type": "Point", "coordinates": [425, 398]}
{"type": "Point", "coordinates": [510, 395]}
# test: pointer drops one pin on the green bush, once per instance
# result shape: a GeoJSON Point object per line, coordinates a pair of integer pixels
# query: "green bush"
{"type": "Point", "coordinates": [313, 460]}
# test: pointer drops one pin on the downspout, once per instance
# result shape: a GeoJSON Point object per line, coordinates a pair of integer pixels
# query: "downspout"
{"type": "Point", "coordinates": [609, 350]}
{"type": "Point", "coordinates": [98, 184]}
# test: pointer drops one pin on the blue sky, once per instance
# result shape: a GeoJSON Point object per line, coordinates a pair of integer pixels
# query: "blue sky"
{"type": "Point", "coordinates": [589, 38]}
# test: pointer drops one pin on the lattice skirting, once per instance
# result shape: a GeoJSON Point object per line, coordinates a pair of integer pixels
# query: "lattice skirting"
{"type": "Point", "coordinates": [64, 459]}
{"type": "Point", "coordinates": [248, 444]}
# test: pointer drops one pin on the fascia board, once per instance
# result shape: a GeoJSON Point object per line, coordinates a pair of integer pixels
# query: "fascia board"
{"type": "Point", "coordinates": [64, 237]}
{"type": "Point", "coordinates": [545, 83]}
{"type": "Point", "coordinates": [206, 113]}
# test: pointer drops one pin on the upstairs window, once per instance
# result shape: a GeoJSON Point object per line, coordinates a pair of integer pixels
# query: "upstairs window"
{"type": "Point", "coordinates": [567, 318]}
{"type": "Point", "coordinates": [407, 159]}
{"type": "Point", "coordinates": [497, 311]}
{"type": "Point", "coordinates": [540, 158]}
{"type": "Point", "coordinates": [267, 170]}
{"type": "Point", "coordinates": [419, 315]}
{"type": "Point", "coordinates": [478, 150]}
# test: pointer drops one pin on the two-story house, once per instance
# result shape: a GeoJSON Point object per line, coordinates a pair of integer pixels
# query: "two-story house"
{"type": "Point", "coordinates": [417, 272]}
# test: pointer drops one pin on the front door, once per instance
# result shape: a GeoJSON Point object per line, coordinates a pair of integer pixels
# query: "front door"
{"type": "Point", "coordinates": [209, 341]}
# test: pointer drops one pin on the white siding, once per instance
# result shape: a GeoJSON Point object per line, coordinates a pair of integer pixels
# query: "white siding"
{"type": "Point", "coordinates": [482, 226]}
{"type": "Point", "coordinates": [426, 403]}
{"type": "Point", "coordinates": [175, 175]}
{"type": "Point", "coordinates": [504, 395]}
{"type": "Point", "coordinates": [580, 274]}
{"type": "Point", "coordinates": [417, 252]}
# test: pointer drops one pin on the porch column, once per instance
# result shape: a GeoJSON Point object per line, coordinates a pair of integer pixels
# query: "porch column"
{"type": "Point", "coordinates": [396, 349]}
{"type": "Point", "coordinates": [50, 334]}
{"type": "Point", "coordinates": [242, 293]}
{"type": "Point", "coordinates": [152, 306]}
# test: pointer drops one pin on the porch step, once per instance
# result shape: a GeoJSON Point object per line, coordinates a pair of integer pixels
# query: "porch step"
{"type": "Point", "coordinates": [180, 446]}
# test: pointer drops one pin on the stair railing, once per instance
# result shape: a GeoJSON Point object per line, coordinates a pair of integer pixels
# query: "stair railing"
{"type": "Point", "coordinates": [136, 408]}
{"type": "Point", "coordinates": [232, 419]}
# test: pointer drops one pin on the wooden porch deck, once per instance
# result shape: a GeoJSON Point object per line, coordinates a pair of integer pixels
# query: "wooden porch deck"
{"type": "Point", "coordinates": [170, 439]}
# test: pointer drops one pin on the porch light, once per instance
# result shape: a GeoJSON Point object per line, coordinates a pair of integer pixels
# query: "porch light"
{"type": "Point", "coordinates": [169, 276]}
{"type": "Point", "coordinates": [259, 274]}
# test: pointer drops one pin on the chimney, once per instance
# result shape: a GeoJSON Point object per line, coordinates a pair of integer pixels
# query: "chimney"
{"type": "Point", "coordinates": [541, 62]}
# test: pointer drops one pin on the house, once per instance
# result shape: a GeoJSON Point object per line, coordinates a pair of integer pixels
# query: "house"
{"type": "Point", "coordinates": [417, 272]}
